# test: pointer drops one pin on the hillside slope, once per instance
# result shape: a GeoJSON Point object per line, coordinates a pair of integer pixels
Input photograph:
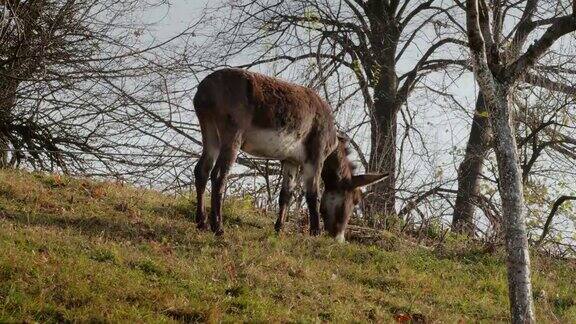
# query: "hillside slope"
{"type": "Point", "coordinates": [78, 250]}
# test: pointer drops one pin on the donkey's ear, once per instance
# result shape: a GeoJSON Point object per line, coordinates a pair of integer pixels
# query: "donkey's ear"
{"type": "Point", "coordinates": [367, 179]}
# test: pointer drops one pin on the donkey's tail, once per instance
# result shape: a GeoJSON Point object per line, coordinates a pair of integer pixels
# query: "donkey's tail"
{"type": "Point", "coordinates": [201, 98]}
{"type": "Point", "coordinates": [204, 98]}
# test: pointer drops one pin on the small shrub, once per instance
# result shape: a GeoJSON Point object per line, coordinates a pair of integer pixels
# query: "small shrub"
{"type": "Point", "coordinates": [102, 255]}
{"type": "Point", "coordinates": [147, 266]}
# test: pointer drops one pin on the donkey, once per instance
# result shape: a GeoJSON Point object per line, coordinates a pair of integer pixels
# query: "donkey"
{"type": "Point", "coordinates": [270, 118]}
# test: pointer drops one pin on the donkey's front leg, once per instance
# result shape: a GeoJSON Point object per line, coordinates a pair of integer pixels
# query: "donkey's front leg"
{"type": "Point", "coordinates": [289, 173]}
{"type": "Point", "coordinates": [226, 158]}
{"type": "Point", "coordinates": [311, 172]}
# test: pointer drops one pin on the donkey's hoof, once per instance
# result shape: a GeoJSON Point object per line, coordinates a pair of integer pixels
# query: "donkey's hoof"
{"type": "Point", "coordinates": [202, 226]}
{"type": "Point", "coordinates": [218, 231]}
{"type": "Point", "coordinates": [315, 232]}
{"type": "Point", "coordinates": [278, 228]}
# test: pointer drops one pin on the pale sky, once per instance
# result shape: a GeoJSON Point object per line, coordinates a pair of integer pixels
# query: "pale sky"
{"type": "Point", "coordinates": [444, 127]}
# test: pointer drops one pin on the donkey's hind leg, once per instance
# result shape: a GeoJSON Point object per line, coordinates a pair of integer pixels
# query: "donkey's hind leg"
{"type": "Point", "coordinates": [311, 173]}
{"type": "Point", "coordinates": [210, 149]}
{"type": "Point", "coordinates": [230, 145]}
{"type": "Point", "coordinates": [289, 173]}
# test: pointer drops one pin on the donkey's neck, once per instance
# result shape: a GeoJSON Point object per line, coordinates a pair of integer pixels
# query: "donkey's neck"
{"type": "Point", "coordinates": [337, 170]}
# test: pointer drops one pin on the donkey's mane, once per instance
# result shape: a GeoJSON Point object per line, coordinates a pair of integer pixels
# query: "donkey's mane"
{"type": "Point", "coordinates": [338, 169]}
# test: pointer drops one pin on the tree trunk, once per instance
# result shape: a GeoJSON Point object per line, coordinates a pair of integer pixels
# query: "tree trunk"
{"type": "Point", "coordinates": [382, 199]}
{"type": "Point", "coordinates": [384, 39]}
{"type": "Point", "coordinates": [383, 160]}
{"type": "Point", "coordinates": [4, 161]}
{"type": "Point", "coordinates": [7, 100]}
{"type": "Point", "coordinates": [4, 143]}
{"type": "Point", "coordinates": [511, 192]}
{"type": "Point", "coordinates": [470, 169]}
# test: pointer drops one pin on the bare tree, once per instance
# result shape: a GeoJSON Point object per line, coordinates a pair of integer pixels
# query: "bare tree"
{"type": "Point", "coordinates": [497, 73]}
{"type": "Point", "coordinates": [64, 69]}
{"type": "Point", "coordinates": [470, 169]}
{"type": "Point", "coordinates": [509, 36]}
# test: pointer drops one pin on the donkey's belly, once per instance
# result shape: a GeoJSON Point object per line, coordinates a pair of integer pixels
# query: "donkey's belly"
{"type": "Point", "coordinates": [274, 144]}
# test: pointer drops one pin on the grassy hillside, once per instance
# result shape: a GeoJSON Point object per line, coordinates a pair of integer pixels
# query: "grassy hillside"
{"type": "Point", "coordinates": [80, 250]}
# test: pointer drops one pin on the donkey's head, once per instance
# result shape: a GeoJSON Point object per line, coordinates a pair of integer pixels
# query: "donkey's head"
{"type": "Point", "coordinates": [341, 190]}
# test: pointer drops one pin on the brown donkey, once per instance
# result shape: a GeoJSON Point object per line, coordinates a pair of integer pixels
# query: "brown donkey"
{"type": "Point", "coordinates": [270, 118]}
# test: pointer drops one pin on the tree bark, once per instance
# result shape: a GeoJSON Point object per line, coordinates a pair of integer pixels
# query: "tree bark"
{"type": "Point", "coordinates": [496, 83]}
{"type": "Point", "coordinates": [4, 161]}
{"type": "Point", "coordinates": [384, 119]}
{"type": "Point", "coordinates": [7, 100]}
{"type": "Point", "coordinates": [384, 39]}
{"type": "Point", "coordinates": [511, 193]}
{"type": "Point", "coordinates": [383, 160]}
{"type": "Point", "coordinates": [470, 169]}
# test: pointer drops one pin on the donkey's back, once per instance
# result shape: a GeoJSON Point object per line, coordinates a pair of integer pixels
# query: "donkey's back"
{"type": "Point", "coordinates": [267, 102]}
{"type": "Point", "coordinates": [276, 118]}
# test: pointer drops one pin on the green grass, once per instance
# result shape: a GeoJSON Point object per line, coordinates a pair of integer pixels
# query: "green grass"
{"type": "Point", "coordinates": [78, 250]}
